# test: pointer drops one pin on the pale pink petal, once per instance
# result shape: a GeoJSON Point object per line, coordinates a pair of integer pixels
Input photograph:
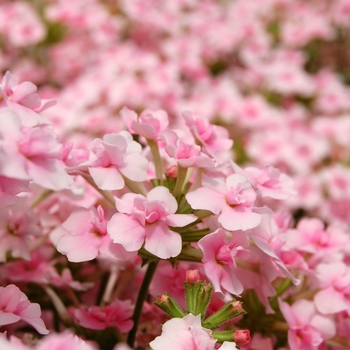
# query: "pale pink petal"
{"type": "Point", "coordinates": [161, 241]}
{"type": "Point", "coordinates": [325, 325]}
{"type": "Point", "coordinates": [288, 314]}
{"type": "Point", "coordinates": [240, 218]}
{"type": "Point", "coordinates": [180, 220]}
{"type": "Point", "coordinates": [23, 90]}
{"type": "Point", "coordinates": [83, 247]}
{"type": "Point", "coordinates": [304, 311]}
{"type": "Point", "coordinates": [135, 167]}
{"type": "Point", "coordinates": [8, 318]}
{"type": "Point", "coordinates": [330, 301]}
{"type": "Point", "coordinates": [108, 179]}
{"type": "Point", "coordinates": [163, 195]}
{"type": "Point", "coordinates": [126, 231]}
{"type": "Point", "coordinates": [230, 281]}
{"type": "Point", "coordinates": [49, 173]}
{"type": "Point", "coordinates": [32, 315]}
{"type": "Point", "coordinates": [206, 198]}
{"type": "Point", "coordinates": [126, 203]}
{"type": "Point", "coordinates": [78, 222]}
{"type": "Point", "coordinates": [115, 250]}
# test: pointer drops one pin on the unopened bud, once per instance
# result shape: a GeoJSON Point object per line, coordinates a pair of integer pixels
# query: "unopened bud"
{"type": "Point", "coordinates": [226, 313]}
{"type": "Point", "coordinates": [169, 305]}
{"type": "Point", "coordinates": [242, 337]}
{"type": "Point", "coordinates": [192, 276]}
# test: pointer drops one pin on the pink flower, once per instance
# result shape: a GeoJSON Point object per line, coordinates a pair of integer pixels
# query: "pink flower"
{"type": "Point", "coordinates": [184, 334]}
{"type": "Point", "coordinates": [147, 220]}
{"type": "Point", "coordinates": [115, 315]}
{"type": "Point", "coordinates": [211, 138]}
{"type": "Point", "coordinates": [185, 154]}
{"type": "Point", "coordinates": [117, 156]}
{"type": "Point", "coordinates": [19, 227]}
{"type": "Point", "coordinates": [148, 124]}
{"type": "Point", "coordinates": [334, 281]}
{"type": "Point", "coordinates": [233, 200]}
{"type": "Point", "coordinates": [84, 235]}
{"type": "Point", "coordinates": [24, 100]}
{"type": "Point", "coordinates": [307, 329]}
{"type": "Point", "coordinates": [64, 341]}
{"type": "Point", "coordinates": [219, 254]}
{"type": "Point", "coordinates": [310, 236]}
{"type": "Point", "coordinates": [15, 306]}
{"type": "Point", "coordinates": [31, 153]}
{"type": "Point", "coordinates": [270, 182]}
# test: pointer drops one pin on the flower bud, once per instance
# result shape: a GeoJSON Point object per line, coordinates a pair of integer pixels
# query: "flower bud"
{"type": "Point", "coordinates": [226, 313]}
{"type": "Point", "coordinates": [169, 305]}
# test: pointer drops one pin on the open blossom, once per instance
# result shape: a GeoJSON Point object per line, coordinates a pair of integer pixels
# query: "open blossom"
{"type": "Point", "coordinates": [116, 315]}
{"type": "Point", "coordinates": [232, 200]}
{"type": "Point", "coordinates": [219, 253]}
{"type": "Point", "coordinates": [147, 220]}
{"type": "Point", "coordinates": [334, 281]}
{"type": "Point", "coordinates": [270, 182]}
{"type": "Point", "coordinates": [15, 306]}
{"type": "Point", "coordinates": [184, 333]}
{"type": "Point", "coordinates": [185, 154]}
{"type": "Point", "coordinates": [211, 138]}
{"type": "Point", "coordinates": [31, 153]}
{"type": "Point", "coordinates": [84, 235]}
{"type": "Point", "coordinates": [18, 228]}
{"type": "Point", "coordinates": [307, 328]}
{"type": "Point", "coordinates": [23, 99]}
{"type": "Point", "coordinates": [148, 124]}
{"type": "Point", "coordinates": [64, 341]}
{"type": "Point", "coordinates": [117, 156]}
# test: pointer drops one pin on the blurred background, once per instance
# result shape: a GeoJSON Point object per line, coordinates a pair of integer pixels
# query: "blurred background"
{"type": "Point", "coordinates": [276, 73]}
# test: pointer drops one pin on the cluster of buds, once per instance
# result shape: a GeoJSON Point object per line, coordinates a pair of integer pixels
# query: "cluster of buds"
{"type": "Point", "coordinates": [198, 296]}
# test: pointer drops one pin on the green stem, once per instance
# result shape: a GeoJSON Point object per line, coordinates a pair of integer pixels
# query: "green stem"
{"type": "Point", "coordinates": [143, 292]}
{"type": "Point", "coordinates": [194, 236]}
{"type": "Point", "coordinates": [40, 198]}
{"type": "Point", "coordinates": [180, 181]}
{"type": "Point", "coordinates": [157, 160]}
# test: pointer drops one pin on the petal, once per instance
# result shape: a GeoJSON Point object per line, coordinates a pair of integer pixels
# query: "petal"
{"type": "Point", "coordinates": [180, 220]}
{"type": "Point", "coordinates": [239, 218]}
{"type": "Point", "coordinates": [163, 195]}
{"type": "Point", "coordinates": [135, 167]}
{"type": "Point", "coordinates": [206, 198]}
{"type": "Point", "coordinates": [126, 231]}
{"type": "Point", "coordinates": [108, 179]}
{"type": "Point", "coordinates": [161, 241]}
{"type": "Point", "coordinates": [330, 301]}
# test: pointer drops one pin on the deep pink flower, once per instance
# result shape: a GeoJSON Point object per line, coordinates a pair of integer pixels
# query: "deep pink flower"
{"type": "Point", "coordinates": [64, 341]}
{"type": "Point", "coordinates": [15, 306]}
{"type": "Point", "coordinates": [116, 315]}
{"type": "Point", "coordinates": [147, 220]}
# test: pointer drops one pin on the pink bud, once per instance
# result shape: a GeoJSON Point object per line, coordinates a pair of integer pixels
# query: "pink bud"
{"type": "Point", "coordinates": [192, 276]}
{"type": "Point", "coordinates": [242, 337]}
